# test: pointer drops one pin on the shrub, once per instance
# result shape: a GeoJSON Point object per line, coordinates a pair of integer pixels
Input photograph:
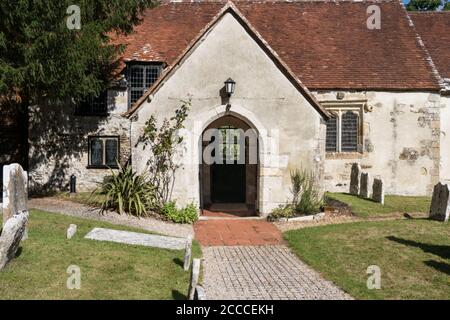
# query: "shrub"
{"type": "Point", "coordinates": [306, 195]}
{"type": "Point", "coordinates": [127, 192]}
{"type": "Point", "coordinates": [283, 211]}
{"type": "Point", "coordinates": [184, 215]}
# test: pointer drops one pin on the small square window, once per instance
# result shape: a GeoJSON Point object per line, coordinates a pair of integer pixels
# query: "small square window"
{"type": "Point", "coordinates": [93, 106]}
{"type": "Point", "coordinates": [103, 152]}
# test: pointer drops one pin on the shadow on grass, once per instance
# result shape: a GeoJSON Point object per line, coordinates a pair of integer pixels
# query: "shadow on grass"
{"type": "Point", "coordinates": [439, 266]}
{"type": "Point", "coordinates": [177, 295]}
{"type": "Point", "coordinates": [438, 250]}
{"type": "Point", "coordinates": [179, 262]}
{"type": "Point", "coordinates": [18, 252]}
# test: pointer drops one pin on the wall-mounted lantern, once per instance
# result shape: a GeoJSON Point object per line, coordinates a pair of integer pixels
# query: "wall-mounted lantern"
{"type": "Point", "coordinates": [229, 86]}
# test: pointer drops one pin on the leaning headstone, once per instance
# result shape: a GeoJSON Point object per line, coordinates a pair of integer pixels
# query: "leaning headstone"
{"type": "Point", "coordinates": [194, 278]}
{"type": "Point", "coordinates": [12, 234]}
{"type": "Point", "coordinates": [199, 293]}
{"type": "Point", "coordinates": [378, 191]}
{"type": "Point", "coordinates": [15, 192]}
{"type": "Point", "coordinates": [364, 185]}
{"type": "Point", "coordinates": [71, 231]}
{"type": "Point", "coordinates": [440, 203]}
{"type": "Point", "coordinates": [187, 253]}
{"type": "Point", "coordinates": [355, 179]}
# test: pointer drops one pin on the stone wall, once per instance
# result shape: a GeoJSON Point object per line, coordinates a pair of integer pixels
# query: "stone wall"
{"type": "Point", "coordinates": [400, 141]}
{"type": "Point", "coordinates": [59, 144]}
{"type": "Point", "coordinates": [444, 169]}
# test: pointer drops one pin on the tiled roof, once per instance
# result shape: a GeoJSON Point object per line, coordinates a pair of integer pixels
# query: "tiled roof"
{"type": "Point", "coordinates": [434, 29]}
{"type": "Point", "coordinates": [326, 44]}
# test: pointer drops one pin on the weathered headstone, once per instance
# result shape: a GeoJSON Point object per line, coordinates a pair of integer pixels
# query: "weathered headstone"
{"type": "Point", "coordinates": [71, 231]}
{"type": "Point", "coordinates": [199, 293]}
{"type": "Point", "coordinates": [187, 253]}
{"type": "Point", "coordinates": [12, 234]}
{"type": "Point", "coordinates": [440, 203]}
{"type": "Point", "coordinates": [364, 186]}
{"type": "Point", "coordinates": [355, 179]}
{"type": "Point", "coordinates": [378, 191]}
{"type": "Point", "coordinates": [194, 278]}
{"type": "Point", "coordinates": [15, 192]}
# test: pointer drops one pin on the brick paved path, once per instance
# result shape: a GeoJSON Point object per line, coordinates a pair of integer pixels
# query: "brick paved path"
{"type": "Point", "coordinates": [262, 272]}
{"type": "Point", "coordinates": [237, 232]}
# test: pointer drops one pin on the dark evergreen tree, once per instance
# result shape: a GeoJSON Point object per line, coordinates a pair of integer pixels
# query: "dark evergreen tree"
{"type": "Point", "coordinates": [41, 57]}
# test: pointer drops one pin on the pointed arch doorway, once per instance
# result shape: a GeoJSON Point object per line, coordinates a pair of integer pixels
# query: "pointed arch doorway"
{"type": "Point", "coordinates": [229, 180]}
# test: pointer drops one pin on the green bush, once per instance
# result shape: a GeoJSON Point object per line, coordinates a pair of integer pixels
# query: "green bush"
{"type": "Point", "coordinates": [127, 192]}
{"type": "Point", "coordinates": [307, 199]}
{"type": "Point", "coordinates": [189, 214]}
{"type": "Point", "coordinates": [283, 211]}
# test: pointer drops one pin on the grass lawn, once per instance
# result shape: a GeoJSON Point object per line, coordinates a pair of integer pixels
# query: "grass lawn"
{"type": "Point", "coordinates": [414, 256]}
{"type": "Point", "coordinates": [366, 207]}
{"type": "Point", "coordinates": [108, 270]}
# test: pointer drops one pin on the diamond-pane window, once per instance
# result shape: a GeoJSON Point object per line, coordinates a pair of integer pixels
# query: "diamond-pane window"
{"type": "Point", "coordinates": [331, 140]}
{"type": "Point", "coordinates": [93, 106]}
{"type": "Point", "coordinates": [349, 132]}
{"type": "Point", "coordinates": [141, 78]}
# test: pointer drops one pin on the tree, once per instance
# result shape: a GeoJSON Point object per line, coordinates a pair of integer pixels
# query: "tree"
{"type": "Point", "coordinates": [427, 5]}
{"type": "Point", "coordinates": [45, 54]}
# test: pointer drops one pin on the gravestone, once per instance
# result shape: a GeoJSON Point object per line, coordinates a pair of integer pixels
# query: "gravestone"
{"type": "Point", "coordinates": [378, 191]}
{"type": "Point", "coordinates": [71, 231]}
{"type": "Point", "coordinates": [187, 253]}
{"type": "Point", "coordinates": [194, 278]}
{"type": "Point", "coordinates": [15, 192]}
{"type": "Point", "coordinates": [440, 205]}
{"type": "Point", "coordinates": [355, 179]}
{"type": "Point", "coordinates": [12, 233]}
{"type": "Point", "coordinates": [364, 187]}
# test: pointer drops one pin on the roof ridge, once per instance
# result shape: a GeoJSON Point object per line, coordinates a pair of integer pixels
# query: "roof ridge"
{"type": "Point", "coordinates": [421, 44]}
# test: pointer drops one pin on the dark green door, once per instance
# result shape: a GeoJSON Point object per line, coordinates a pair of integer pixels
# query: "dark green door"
{"type": "Point", "coordinates": [228, 179]}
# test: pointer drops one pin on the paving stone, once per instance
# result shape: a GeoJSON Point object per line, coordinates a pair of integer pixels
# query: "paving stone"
{"type": "Point", "coordinates": [135, 238]}
{"type": "Point", "coordinates": [262, 272]}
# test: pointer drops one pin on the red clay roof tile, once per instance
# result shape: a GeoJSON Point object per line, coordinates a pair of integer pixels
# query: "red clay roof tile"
{"type": "Point", "coordinates": [434, 29]}
{"type": "Point", "coordinates": [326, 44]}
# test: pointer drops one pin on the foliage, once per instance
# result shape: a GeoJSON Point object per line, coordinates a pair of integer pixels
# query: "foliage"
{"type": "Point", "coordinates": [282, 212]}
{"type": "Point", "coordinates": [127, 192]}
{"type": "Point", "coordinates": [427, 5]}
{"type": "Point", "coordinates": [40, 57]}
{"type": "Point", "coordinates": [184, 215]}
{"type": "Point", "coordinates": [307, 199]}
{"type": "Point", "coordinates": [163, 143]}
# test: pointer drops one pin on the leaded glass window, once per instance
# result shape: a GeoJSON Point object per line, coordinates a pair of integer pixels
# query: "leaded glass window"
{"type": "Point", "coordinates": [349, 132]}
{"type": "Point", "coordinates": [230, 146]}
{"type": "Point", "coordinates": [103, 151]}
{"type": "Point", "coordinates": [141, 78]}
{"type": "Point", "coordinates": [344, 129]}
{"type": "Point", "coordinates": [93, 106]}
{"type": "Point", "coordinates": [331, 140]}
